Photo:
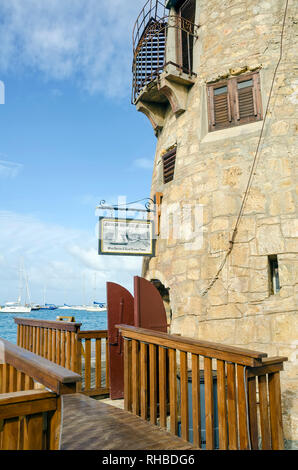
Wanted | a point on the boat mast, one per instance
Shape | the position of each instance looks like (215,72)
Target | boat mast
(27,288)
(44,295)
(84,290)
(21,280)
(94,297)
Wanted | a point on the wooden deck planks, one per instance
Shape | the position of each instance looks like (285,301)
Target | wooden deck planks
(105,427)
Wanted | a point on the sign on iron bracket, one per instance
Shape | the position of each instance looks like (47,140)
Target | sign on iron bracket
(126,236)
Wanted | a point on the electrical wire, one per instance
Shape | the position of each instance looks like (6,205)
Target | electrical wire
(255,161)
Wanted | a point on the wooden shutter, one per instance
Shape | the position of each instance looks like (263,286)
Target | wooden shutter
(234,102)
(248,99)
(220,114)
(169,160)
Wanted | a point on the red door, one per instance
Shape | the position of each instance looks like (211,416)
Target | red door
(120,308)
(149,310)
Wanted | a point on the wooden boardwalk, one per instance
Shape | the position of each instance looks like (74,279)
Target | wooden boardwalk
(88,424)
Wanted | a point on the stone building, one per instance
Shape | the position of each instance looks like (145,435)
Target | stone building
(217,81)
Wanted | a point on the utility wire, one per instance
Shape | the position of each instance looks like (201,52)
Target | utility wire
(255,161)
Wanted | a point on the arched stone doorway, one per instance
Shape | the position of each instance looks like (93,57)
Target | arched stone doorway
(165,294)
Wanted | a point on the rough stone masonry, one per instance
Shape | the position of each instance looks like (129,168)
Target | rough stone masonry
(212,170)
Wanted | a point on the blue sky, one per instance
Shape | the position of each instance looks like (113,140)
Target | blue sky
(69,137)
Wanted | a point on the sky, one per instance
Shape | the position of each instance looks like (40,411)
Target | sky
(69,138)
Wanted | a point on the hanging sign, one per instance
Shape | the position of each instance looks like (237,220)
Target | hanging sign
(125,237)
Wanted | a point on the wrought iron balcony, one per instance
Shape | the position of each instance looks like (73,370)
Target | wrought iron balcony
(160,39)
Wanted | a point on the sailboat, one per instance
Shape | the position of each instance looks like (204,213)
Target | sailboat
(46,306)
(17,307)
(96,306)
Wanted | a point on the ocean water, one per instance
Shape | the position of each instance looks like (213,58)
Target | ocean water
(89,320)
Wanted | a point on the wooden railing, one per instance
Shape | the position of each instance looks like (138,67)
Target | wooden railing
(30,399)
(83,352)
(95,368)
(164,376)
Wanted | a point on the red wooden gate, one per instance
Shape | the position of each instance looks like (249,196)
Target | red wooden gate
(120,305)
(149,310)
(145,310)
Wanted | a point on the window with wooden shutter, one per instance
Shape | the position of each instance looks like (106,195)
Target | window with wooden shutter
(234,101)
(249,102)
(220,106)
(169,160)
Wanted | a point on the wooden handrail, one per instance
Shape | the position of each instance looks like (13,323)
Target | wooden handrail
(56,378)
(57,325)
(93,334)
(206,348)
(269,365)
(27,402)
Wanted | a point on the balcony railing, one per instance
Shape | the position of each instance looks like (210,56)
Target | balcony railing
(150,37)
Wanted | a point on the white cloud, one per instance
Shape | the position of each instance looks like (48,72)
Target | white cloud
(9,170)
(144,163)
(58,258)
(85,40)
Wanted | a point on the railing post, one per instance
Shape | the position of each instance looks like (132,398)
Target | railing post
(196,407)
(222,405)
(127,375)
(79,362)
(208,379)
(242,409)
(184,395)
(275,411)
(135,377)
(144,380)
(54,427)
(153,383)
(162,370)
(253,418)
(173,391)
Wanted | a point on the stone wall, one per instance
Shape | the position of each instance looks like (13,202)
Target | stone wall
(212,170)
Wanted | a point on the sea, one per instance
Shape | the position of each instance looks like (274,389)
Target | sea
(89,320)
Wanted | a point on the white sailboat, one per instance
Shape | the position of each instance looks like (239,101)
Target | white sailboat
(17,307)
(96,306)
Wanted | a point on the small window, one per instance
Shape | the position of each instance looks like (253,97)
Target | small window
(169,160)
(274,284)
(234,102)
